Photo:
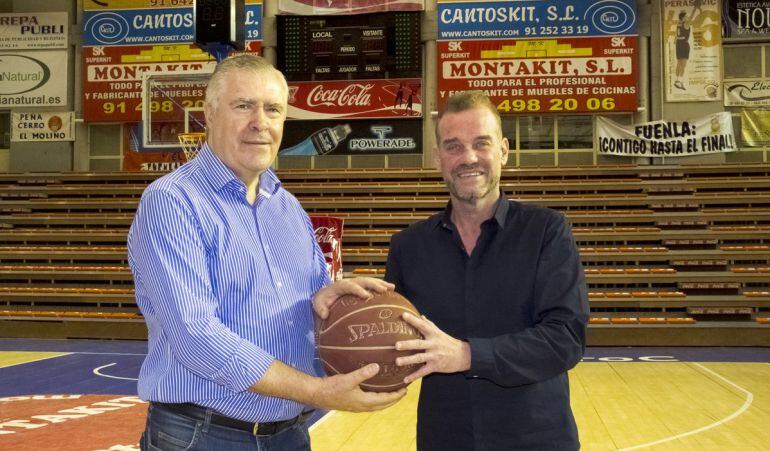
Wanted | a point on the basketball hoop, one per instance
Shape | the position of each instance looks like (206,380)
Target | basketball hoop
(191,143)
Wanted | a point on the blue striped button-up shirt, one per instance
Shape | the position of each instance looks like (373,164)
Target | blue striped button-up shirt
(225,288)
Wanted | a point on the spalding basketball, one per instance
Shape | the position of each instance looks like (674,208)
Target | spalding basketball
(358,332)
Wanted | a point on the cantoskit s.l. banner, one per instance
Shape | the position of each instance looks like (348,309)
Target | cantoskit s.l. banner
(703,135)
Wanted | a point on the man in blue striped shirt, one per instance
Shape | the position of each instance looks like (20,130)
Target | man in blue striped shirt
(227,273)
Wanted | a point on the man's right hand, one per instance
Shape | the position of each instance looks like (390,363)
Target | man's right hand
(342,392)
(339,392)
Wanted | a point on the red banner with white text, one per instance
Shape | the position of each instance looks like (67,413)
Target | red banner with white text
(560,75)
(371,99)
(112,77)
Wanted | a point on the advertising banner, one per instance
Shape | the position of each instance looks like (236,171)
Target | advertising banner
(692,50)
(704,135)
(540,56)
(139,26)
(112,78)
(745,20)
(755,127)
(141,22)
(747,92)
(461,20)
(31,126)
(342,7)
(564,75)
(27,78)
(253,30)
(355,137)
(393,98)
(36,31)
(328,235)
(127,38)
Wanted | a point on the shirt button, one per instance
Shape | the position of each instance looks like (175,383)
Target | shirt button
(279,285)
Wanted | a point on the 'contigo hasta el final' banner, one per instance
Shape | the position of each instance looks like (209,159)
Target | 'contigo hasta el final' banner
(703,135)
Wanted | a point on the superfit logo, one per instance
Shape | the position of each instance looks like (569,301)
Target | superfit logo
(354,94)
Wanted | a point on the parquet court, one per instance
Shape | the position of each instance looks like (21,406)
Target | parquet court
(641,405)
(624,398)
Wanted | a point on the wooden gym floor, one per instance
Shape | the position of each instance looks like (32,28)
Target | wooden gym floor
(623,398)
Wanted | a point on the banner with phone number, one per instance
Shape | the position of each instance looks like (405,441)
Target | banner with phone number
(121,38)
(458,19)
(112,78)
(149,22)
(560,75)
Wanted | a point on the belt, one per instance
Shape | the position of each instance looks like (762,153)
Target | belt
(199,413)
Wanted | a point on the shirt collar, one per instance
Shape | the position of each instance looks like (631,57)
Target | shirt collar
(220,176)
(500,215)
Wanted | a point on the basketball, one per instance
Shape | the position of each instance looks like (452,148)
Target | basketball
(358,332)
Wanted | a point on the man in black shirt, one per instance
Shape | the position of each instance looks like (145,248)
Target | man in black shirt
(503,296)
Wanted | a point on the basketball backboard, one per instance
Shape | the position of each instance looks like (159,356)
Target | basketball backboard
(172,103)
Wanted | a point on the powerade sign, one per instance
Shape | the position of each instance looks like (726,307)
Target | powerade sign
(352,137)
(139,26)
(535,18)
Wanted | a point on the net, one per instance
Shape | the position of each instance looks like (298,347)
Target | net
(191,143)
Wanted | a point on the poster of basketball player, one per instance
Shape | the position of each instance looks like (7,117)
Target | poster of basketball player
(692,50)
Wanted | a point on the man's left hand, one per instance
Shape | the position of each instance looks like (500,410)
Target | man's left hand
(362,287)
(442,353)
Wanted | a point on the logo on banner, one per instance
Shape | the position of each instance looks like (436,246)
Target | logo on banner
(610,16)
(757,92)
(107,28)
(354,94)
(382,142)
(27,74)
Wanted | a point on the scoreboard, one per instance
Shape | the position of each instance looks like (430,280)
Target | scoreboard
(381,45)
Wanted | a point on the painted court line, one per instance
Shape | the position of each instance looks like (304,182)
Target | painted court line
(732,416)
(98,372)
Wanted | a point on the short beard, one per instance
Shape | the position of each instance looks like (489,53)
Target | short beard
(474,197)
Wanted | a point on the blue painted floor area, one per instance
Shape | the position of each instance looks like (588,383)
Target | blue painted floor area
(111,367)
(78,373)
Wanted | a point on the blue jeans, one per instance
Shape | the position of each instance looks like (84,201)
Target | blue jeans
(169,431)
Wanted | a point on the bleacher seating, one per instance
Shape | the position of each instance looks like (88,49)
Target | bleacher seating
(674,255)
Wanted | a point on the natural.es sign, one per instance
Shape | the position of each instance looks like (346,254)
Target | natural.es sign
(26,78)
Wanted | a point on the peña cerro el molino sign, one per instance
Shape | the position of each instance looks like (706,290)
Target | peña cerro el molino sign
(22,74)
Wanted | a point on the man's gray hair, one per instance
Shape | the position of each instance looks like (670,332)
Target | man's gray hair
(242,62)
(468,100)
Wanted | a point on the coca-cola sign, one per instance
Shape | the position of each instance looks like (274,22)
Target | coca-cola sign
(354,94)
(328,235)
(394,98)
